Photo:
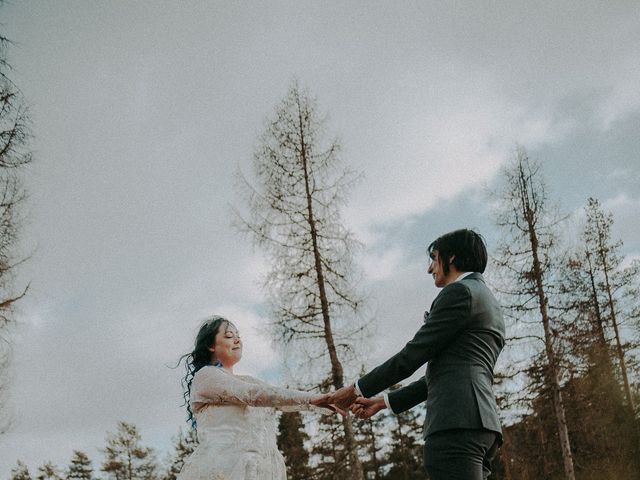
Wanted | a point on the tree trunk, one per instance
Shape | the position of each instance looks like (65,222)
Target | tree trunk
(403,449)
(337,372)
(614,321)
(506,446)
(129,466)
(602,340)
(373,451)
(552,365)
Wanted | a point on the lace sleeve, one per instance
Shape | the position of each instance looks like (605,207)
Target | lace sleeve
(293,407)
(214,387)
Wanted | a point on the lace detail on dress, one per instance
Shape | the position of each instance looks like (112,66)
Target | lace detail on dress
(237,427)
(214,386)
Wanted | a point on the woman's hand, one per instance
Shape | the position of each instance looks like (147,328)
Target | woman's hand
(367,407)
(323,400)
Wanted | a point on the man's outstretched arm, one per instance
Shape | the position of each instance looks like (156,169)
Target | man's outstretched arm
(447,319)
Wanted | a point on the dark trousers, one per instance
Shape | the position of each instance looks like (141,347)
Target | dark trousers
(460,454)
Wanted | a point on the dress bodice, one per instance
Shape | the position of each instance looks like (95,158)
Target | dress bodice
(232,425)
(237,426)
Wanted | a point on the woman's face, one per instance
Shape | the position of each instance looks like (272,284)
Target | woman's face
(227,347)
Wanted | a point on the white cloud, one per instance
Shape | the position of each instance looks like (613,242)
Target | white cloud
(621,201)
(380,266)
(623,97)
(626,227)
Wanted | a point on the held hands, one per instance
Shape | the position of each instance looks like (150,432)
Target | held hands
(324,401)
(347,398)
(344,397)
(338,401)
(367,407)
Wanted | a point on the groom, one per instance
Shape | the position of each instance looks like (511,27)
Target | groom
(460,339)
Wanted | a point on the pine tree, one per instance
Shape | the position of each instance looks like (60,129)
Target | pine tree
(370,433)
(406,452)
(328,455)
(48,471)
(582,300)
(20,472)
(291,441)
(184,445)
(612,279)
(126,458)
(80,468)
(603,436)
(596,292)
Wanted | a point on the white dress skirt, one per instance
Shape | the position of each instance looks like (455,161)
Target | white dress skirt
(237,427)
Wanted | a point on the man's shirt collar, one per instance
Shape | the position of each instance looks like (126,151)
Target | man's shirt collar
(463,275)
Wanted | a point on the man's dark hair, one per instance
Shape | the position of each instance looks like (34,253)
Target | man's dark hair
(466,246)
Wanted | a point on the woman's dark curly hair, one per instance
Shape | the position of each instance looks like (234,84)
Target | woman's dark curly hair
(200,357)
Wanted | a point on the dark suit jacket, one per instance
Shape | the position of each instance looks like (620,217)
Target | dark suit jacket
(460,339)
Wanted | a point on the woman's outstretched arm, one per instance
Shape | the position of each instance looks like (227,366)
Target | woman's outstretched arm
(213,386)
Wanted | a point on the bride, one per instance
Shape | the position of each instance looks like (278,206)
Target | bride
(234,414)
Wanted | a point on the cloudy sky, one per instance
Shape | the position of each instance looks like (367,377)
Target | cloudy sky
(143,110)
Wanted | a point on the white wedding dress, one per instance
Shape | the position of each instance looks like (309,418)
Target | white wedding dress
(236,423)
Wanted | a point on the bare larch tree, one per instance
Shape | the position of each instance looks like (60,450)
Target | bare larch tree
(526,255)
(294,215)
(14,157)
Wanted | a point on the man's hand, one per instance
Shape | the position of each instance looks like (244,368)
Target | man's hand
(324,401)
(344,397)
(367,407)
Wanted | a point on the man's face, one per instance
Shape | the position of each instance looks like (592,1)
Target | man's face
(436,270)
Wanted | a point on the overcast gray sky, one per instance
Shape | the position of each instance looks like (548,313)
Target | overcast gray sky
(143,110)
